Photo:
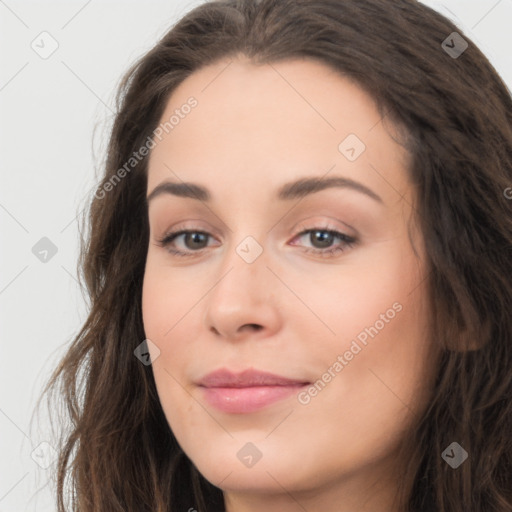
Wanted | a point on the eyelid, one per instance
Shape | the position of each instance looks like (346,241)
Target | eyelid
(331,222)
(191,225)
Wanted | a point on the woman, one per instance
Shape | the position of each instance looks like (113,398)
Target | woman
(340,337)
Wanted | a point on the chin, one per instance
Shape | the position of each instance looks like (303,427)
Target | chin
(224,467)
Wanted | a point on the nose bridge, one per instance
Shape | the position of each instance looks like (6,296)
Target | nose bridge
(242,294)
(244,269)
(247,241)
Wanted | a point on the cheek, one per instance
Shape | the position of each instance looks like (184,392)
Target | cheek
(371,294)
(171,323)
(378,389)
(165,300)
(154,304)
(380,317)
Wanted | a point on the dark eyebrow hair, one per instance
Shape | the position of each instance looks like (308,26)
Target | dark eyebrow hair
(293,190)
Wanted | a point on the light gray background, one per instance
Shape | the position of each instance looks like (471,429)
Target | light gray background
(54,119)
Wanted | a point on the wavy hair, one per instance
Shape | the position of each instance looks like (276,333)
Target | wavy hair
(117,452)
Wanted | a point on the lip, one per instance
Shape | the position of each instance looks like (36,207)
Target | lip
(247,391)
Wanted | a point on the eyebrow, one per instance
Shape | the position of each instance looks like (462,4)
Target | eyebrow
(294,190)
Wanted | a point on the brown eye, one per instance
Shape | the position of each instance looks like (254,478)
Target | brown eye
(193,241)
(322,240)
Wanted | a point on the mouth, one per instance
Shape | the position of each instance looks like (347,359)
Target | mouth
(248,391)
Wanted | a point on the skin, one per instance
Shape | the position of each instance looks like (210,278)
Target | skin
(289,312)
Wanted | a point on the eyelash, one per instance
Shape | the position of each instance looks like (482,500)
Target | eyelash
(330,252)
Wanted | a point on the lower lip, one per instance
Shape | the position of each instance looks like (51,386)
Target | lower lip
(246,400)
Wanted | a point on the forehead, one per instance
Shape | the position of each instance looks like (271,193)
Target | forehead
(267,124)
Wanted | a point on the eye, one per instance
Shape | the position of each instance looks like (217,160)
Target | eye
(321,238)
(196,239)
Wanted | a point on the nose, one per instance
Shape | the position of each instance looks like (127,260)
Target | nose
(244,301)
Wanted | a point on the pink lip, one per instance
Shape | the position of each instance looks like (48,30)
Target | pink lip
(247,391)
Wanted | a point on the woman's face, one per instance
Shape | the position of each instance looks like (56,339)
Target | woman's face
(315,282)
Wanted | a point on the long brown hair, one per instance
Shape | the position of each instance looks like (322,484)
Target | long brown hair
(119,453)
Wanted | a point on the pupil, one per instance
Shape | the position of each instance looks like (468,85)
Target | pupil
(324,238)
(196,237)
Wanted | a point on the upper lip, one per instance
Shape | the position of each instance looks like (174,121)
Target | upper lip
(224,378)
